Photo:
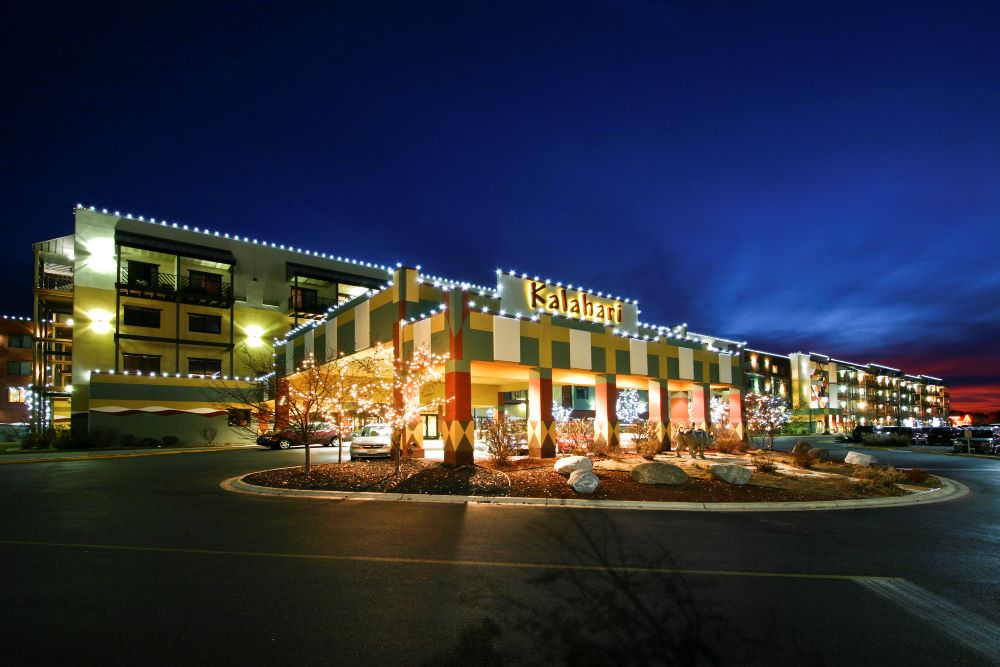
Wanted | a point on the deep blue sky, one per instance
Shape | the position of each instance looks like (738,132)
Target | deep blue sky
(801,176)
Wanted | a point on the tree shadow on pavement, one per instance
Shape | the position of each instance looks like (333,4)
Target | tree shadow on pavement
(601,605)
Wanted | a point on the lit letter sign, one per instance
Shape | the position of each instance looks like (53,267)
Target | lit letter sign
(525,296)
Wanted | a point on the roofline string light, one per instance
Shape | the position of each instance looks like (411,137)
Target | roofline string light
(244,239)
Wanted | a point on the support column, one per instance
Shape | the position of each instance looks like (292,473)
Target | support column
(659,412)
(413,439)
(699,406)
(459,427)
(736,410)
(499,409)
(679,414)
(541,426)
(281,404)
(606,417)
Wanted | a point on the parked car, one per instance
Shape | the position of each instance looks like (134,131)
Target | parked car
(324,434)
(942,435)
(372,441)
(984,440)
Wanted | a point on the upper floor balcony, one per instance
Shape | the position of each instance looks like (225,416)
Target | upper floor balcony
(205,289)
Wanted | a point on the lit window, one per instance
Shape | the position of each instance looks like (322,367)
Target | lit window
(17,394)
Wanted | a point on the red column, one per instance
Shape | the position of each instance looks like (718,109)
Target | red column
(679,410)
(736,410)
(281,404)
(459,428)
(605,417)
(700,406)
(659,411)
(541,426)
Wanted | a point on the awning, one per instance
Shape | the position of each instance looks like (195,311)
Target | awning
(332,275)
(171,247)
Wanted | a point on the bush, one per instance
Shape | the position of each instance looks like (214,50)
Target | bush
(129,441)
(869,439)
(501,439)
(916,476)
(879,476)
(41,440)
(149,443)
(802,458)
(728,440)
(645,438)
(171,441)
(577,436)
(209,433)
(762,462)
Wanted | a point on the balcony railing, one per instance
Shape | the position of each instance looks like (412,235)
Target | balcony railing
(167,286)
(310,305)
(55,281)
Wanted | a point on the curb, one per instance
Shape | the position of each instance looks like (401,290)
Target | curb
(949,490)
(123,455)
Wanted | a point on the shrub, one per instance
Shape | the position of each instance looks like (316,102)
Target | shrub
(150,443)
(869,439)
(645,438)
(802,458)
(577,436)
(209,433)
(41,440)
(129,441)
(728,440)
(501,439)
(762,462)
(879,476)
(916,475)
(170,441)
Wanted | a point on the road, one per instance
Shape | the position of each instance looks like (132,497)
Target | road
(148,560)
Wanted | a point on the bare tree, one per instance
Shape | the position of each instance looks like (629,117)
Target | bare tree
(766,414)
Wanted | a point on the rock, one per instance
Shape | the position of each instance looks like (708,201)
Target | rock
(819,454)
(801,446)
(859,459)
(730,473)
(583,481)
(659,473)
(570,464)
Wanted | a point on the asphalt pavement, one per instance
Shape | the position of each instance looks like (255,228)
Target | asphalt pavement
(147,559)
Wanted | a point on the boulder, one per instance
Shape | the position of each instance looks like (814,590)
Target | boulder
(859,459)
(801,446)
(658,473)
(583,481)
(819,454)
(570,464)
(731,474)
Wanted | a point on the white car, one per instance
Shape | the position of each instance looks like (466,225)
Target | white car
(373,440)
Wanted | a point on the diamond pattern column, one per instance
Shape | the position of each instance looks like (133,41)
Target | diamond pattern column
(541,426)
(606,427)
(659,411)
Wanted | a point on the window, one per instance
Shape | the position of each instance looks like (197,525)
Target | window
(144,363)
(204,366)
(18,368)
(582,393)
(19,340)
(142,274)
(141,317)
(201,281)
(17,394)
(239,417)
(201,323)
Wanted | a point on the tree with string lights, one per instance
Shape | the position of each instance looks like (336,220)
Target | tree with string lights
(765,415)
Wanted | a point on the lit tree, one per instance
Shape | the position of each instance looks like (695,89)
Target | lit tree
(765,415)
(720,410)
(403,391)
(560,413)
(628,406)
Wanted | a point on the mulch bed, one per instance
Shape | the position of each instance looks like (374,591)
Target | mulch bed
(534,478)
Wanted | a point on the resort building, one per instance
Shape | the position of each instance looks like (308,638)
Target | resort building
(132,314)
(16,343)
(136,321)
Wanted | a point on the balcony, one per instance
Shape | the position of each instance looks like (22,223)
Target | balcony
(168,287)
(306,305)
(55,281)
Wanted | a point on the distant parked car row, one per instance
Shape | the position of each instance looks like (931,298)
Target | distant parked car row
(983,439)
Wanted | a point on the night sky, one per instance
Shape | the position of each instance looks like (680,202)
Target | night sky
(803,177)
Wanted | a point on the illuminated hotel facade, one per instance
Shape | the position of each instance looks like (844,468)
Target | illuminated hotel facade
(133,317)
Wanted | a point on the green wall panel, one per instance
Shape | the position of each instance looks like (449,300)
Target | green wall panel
(560,354)
(598,360)
(623,362)
(529,351)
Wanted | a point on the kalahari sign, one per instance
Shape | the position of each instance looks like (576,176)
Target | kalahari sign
(525,295)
